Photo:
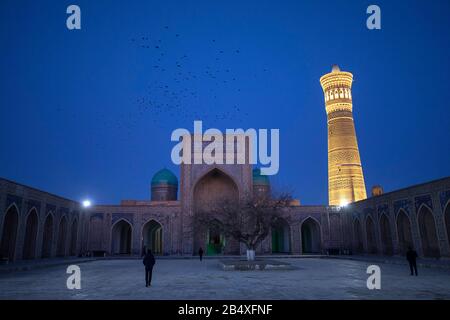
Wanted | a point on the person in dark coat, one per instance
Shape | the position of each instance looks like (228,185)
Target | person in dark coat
(149,262)
(411,256)
(200,253)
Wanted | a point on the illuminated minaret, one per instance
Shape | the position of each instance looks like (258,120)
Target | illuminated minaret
(345,174)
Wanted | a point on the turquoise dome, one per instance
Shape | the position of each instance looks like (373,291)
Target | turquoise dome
(258,178)
(164,177)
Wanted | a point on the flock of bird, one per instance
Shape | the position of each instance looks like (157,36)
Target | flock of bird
(179,89)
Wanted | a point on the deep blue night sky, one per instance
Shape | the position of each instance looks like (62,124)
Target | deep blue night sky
(87,113)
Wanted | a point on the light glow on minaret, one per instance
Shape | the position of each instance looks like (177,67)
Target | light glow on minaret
(345,174)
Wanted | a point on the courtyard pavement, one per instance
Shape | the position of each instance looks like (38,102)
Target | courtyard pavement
(312,278)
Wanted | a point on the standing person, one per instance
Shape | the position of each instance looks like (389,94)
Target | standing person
(149,262)
(411,256)
(200,253)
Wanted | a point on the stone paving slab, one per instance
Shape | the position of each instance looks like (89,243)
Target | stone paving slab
(192,279)
(24,265)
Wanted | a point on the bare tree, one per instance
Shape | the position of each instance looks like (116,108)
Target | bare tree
(248,221)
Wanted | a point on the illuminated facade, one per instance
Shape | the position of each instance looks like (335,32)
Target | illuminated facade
(345,174)
(35,224)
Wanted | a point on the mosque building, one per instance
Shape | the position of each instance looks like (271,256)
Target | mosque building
(35,224)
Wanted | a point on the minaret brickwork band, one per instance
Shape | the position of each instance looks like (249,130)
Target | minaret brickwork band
(345,174)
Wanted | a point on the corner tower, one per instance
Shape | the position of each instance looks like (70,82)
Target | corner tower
(345,174)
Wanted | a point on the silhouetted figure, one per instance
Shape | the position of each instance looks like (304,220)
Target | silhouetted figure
(200,253)
(149,262)
(411,256)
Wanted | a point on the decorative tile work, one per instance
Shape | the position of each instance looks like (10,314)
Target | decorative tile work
(426,199)
(404,204)
(343,185)
(10,199)
(118,216)
(50,207)
(383,208)
(354,213)
(63,211)
(96,215)
(33,203)
(443,197)
(368,211)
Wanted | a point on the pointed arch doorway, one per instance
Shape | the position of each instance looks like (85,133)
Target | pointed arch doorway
(428,235)
(152,237)
(212,188)
(404,232)
(310,232)
(47,237)
(29,248)
(386,235)
(9,233)
(281,237)
(121,238)
(215,241)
